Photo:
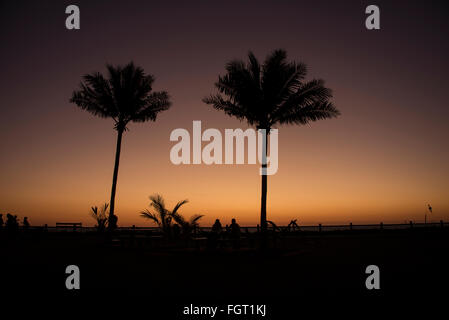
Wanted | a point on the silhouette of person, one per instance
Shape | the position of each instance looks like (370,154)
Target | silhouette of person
(11,223)
(26,224)
(235,228)
(217,228)
(235,233)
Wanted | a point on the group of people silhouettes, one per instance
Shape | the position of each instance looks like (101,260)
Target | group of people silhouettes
(12,222)
(233,229)
(231,232)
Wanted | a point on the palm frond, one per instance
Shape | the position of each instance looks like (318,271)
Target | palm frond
(195,218)
(273,225)
(100,216)
(151,216)
(125,95)
(95,96)
(153,104)
(231,108)
(272,93)
(313,112)
(157,201)
(179,219)
(179,205)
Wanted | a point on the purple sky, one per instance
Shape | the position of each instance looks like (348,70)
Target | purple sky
(391,86)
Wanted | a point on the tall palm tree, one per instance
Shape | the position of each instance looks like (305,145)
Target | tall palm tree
(125,95)
(270,94)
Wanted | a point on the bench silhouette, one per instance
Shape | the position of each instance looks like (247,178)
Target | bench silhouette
(66,225)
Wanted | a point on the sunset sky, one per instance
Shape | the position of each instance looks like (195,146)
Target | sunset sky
(384,159)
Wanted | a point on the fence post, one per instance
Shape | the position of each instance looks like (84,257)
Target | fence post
(319,227)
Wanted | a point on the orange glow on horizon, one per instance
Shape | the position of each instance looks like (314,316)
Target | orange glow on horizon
(322,178)
(384,159)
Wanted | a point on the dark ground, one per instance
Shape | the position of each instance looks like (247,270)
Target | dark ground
(303,269)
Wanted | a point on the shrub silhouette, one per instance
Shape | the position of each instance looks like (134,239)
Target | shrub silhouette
(165,219)
(101,216)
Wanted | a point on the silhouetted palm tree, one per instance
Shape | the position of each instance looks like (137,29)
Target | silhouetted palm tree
(101,216)
(125,95)
(161,216)
(187,226)
(164,218)
(270,94)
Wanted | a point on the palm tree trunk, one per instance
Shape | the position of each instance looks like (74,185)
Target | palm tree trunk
(263,198)
(114,178)
(263,204)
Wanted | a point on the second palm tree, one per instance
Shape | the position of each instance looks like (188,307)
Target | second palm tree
(270,94)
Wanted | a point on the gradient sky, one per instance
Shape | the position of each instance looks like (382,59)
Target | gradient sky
(384,159)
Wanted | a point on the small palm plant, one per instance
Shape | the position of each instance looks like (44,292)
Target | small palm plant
(101,216)
(273,225)
(293,225)
(161,215)
(165,218)
(188,226)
